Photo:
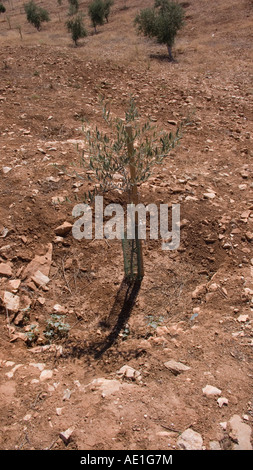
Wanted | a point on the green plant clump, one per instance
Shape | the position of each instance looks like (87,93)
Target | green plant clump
(161,22)
(56,328)
(35,14)
(2,8)
(76,27)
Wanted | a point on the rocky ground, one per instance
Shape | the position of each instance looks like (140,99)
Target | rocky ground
(85,362)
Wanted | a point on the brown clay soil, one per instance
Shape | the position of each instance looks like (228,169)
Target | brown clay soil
(194,304)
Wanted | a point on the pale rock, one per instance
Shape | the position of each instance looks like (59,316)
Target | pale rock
(67,394)
(240,433)
(59,308)
(14,284)
(210,391)
(6,169)
(243,318)
(201,289)
(66,435)
(40,279)
(190,440)
(224,425)
(129,373)
(209,195)
(213,287)
(46,374)
(58,199)
(214,445)
(107,387)
(12,372)
(222,401)
(5,270)
(38,365)
(58,411)
(176,367)
(39,263)
(10,301)
(249,236)
(27,417)
(63,230)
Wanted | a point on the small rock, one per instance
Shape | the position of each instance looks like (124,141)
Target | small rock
(201,289)
(63,229)
(58,199)
(14,285)
(40,279)
(222,401)
(214,445)
(59,308)
(240,433)
(243,318)
(66,435)
(106,386)
(67,394)
(6,169)
(10,301)
(190,440)
(209,390)
(46,375)
(176,367)
(129,373)
(58,411)
(5,270)
(209,195)
(249,236)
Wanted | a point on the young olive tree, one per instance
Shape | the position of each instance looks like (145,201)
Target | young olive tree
(76,27)
(122,158)
(161,22)
(96,13)
(2,8)
(73,7)
(35,14)
(107,8)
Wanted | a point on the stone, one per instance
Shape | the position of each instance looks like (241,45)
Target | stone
(222,401)
(211,391)
(201,289)
(66,435)
(59,308)
(46,374)
(240,433)
(10,301)
(214,445)
(107,387)
(176,367)
(129,373)
(39,263)
(190,440)
(63,230)
(6,169)
(249,236)
(5,270)
(243,318)
(209,195)
(40,279)
(14,284)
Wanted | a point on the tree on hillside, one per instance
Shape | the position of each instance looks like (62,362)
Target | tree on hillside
(2,8)
(107,8)
(97,13)
(161,22)
(73,7)
(76,27)
(35,14)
